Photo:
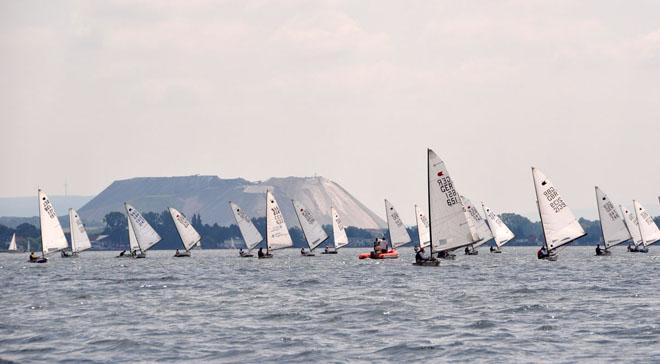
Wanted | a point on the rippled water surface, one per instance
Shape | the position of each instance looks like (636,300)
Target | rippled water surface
(217,307)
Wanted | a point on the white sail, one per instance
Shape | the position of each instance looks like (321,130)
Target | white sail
(52,235)
(422,228)
(612,225)
(449,227)
(559,224)
(189,236)
(631,224)
(398,234)
(501,233)
(79,239)
(12,243)
(251,236)
(648,230)
(132,240)
(481,229)
(338,229)
(277,234)
(313,231)
(146,236)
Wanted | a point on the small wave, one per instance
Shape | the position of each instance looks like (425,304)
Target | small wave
(546,328)
(481,324)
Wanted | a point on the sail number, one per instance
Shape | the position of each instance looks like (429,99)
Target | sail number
(277,214)
(48,207)
(611,210)
(556,202)
(447,187)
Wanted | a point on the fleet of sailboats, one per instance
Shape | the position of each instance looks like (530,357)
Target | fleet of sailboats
(453,222)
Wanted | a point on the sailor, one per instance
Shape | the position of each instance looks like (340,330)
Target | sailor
(240,252)
(33,256)
(122,253)
(260,254)
(467,250)
(542,253)
(302,251)
(176,253)
(492,249)
(598,250)
(419,255)
(443,254)
(326,249)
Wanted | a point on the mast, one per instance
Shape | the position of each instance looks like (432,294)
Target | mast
(73,248)
(428,199)
(267,232)
(41,227)
(600,219)
(538,207)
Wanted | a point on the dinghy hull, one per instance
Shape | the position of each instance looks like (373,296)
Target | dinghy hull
(182,255)
(329,252)
(391,254)
(427,263)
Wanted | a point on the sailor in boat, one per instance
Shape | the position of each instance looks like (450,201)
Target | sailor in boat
(492,249)
(33,257)
(122,253)
(241,252)
(419,255)
(599,251)
(326,249)
(542,253)
(176,253)
(302,251)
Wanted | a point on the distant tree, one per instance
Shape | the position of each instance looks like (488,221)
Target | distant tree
(27,231)
(115,221)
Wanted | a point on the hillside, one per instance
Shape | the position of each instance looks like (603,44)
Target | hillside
(209,196)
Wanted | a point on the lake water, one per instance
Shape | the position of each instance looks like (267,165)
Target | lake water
(217,307)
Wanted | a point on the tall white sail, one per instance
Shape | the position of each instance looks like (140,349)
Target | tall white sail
(313,231)
(146,236)
(648,230)
(79,239)
(132,240)
(612,225)
(251,235)
(52,235)
(559,224)
(422,228)
(501,233)
(189,236)
(481,229)
(398,233)
(338,229)
(277,234)
(12,243)
(631,223)
(449,226)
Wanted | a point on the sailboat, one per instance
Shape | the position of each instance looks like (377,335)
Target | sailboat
(312,230)
(636,244)
(187,233)
(449,227)
(422,228)
(145,235)
(12,245)
(251,236)
(277,233)
(648,230)
(612,226)
(478,226)
(560,227)
(133,246)
(79,239)
(339,236)
(52,235)
(501,233)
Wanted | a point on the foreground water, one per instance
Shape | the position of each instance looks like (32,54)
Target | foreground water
(331,308)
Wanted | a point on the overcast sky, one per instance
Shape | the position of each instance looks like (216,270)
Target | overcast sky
(94,91)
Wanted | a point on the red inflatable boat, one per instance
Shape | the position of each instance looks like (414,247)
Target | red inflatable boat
(391,254)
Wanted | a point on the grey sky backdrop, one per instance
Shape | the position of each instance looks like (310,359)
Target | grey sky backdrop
(353,90)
